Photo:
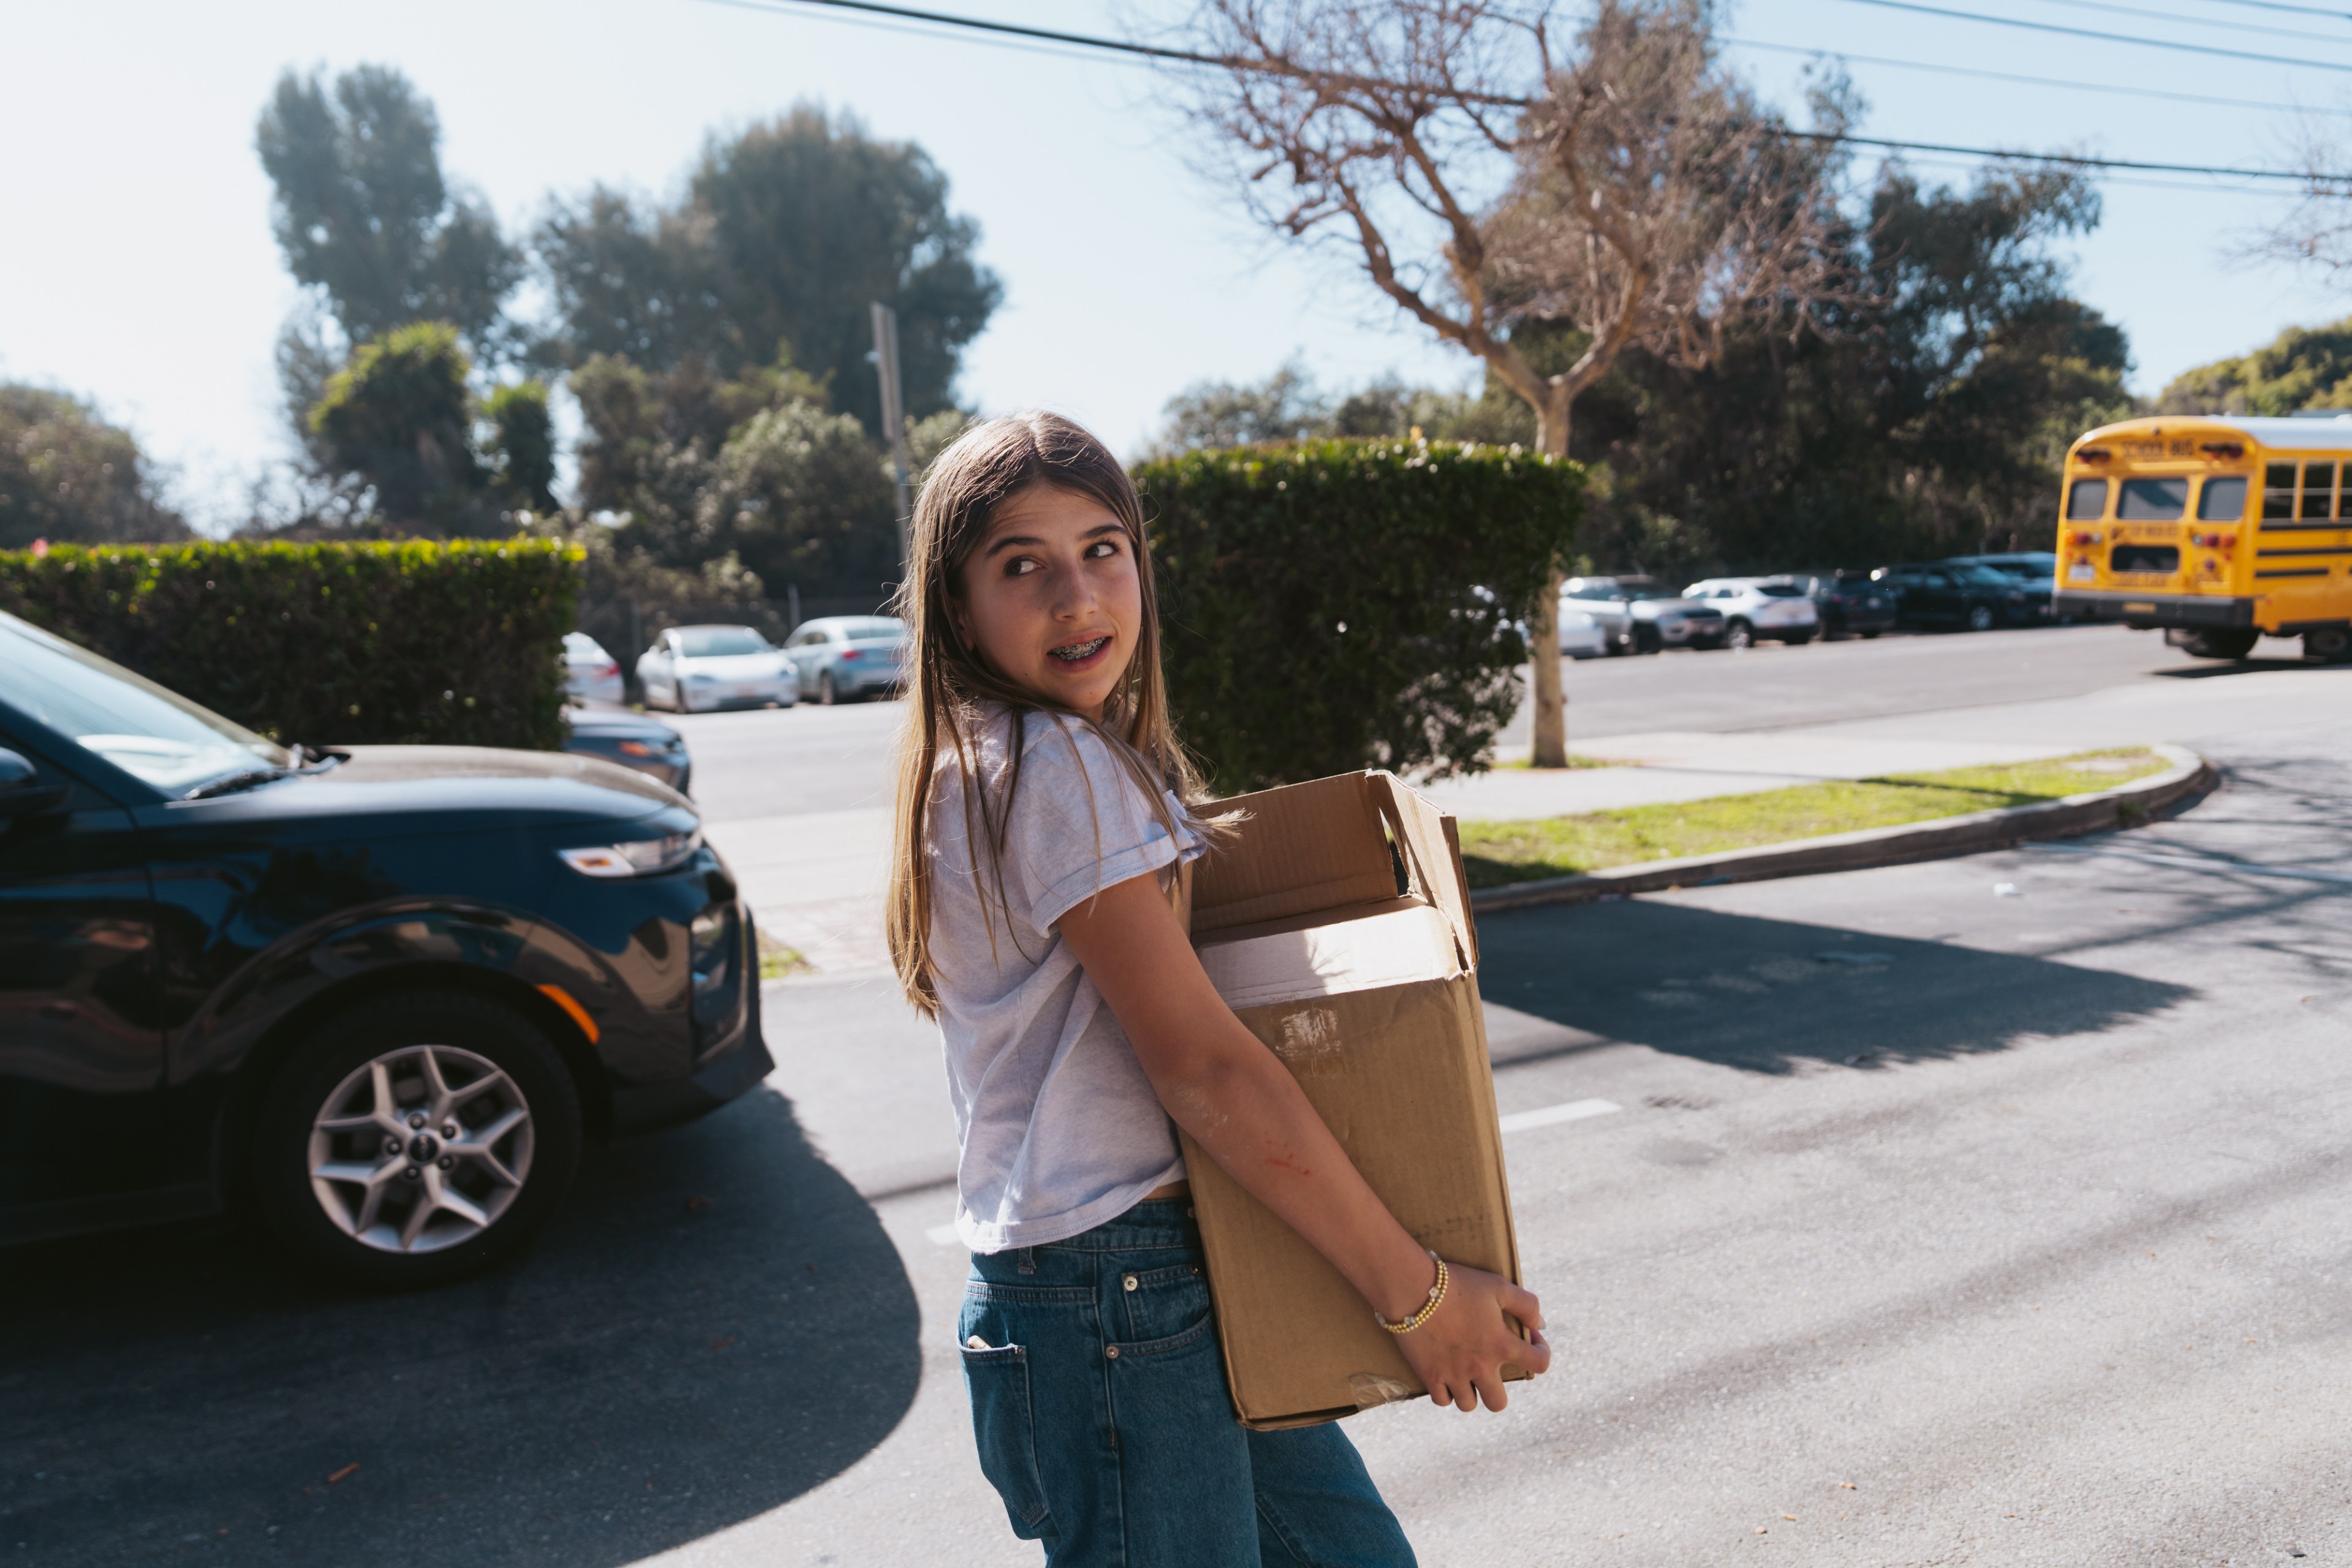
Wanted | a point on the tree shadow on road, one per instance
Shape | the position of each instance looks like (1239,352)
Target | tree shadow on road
(1762,995)
(715,1324)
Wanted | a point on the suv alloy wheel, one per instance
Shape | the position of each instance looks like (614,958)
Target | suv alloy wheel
(1739,634)
(1980,617)
(415,1140)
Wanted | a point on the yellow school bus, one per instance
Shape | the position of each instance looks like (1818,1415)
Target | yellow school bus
(2216,528)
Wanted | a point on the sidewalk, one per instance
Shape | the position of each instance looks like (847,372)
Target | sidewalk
(816,880)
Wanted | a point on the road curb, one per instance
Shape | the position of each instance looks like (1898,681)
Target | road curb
(2127,805)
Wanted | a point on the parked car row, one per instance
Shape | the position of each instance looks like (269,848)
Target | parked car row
(698,669)
(1634,613)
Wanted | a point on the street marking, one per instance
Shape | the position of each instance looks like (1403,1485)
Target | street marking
(1552,1116)
(2198,863)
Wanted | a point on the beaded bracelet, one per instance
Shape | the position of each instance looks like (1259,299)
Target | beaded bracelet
(1436,1294)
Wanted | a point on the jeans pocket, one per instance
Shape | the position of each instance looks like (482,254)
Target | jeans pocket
(1005,1427)
(1160,1304)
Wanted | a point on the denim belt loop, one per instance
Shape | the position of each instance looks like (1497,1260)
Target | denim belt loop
(1028,1264)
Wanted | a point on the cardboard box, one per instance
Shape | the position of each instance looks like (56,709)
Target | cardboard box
(1337,925)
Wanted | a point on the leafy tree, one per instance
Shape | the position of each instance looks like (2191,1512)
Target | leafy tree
(400,417)
(523,445)
(784,237)
(364,214)
(800,494)
(66,474)
(2303,367)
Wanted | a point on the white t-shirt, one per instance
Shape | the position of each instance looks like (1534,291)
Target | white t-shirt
(1058,1127)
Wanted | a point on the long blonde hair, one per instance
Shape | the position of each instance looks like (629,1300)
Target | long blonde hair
(951,689)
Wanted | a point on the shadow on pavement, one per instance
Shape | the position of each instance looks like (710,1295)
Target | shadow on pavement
(715,1324)
(1761,995)
(2206,671)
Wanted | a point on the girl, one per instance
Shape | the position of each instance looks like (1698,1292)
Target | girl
(1044,813)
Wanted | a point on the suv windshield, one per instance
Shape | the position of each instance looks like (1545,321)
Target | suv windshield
(155,735)
(1968,571)
(719,642)
(1780,590)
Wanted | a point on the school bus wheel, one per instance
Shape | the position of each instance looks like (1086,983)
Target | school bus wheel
(2333,643)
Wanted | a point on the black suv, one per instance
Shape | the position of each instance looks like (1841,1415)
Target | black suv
(1956,595)
(380,994)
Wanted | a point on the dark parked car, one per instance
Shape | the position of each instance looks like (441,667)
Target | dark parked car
(2036,571)
(1851,604)
(378,993)
(1971,598)
(632,740)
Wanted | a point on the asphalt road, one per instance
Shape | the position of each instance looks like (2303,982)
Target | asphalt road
(2024,1213)
(780,761)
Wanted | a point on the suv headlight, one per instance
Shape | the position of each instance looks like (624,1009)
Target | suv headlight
(637,857)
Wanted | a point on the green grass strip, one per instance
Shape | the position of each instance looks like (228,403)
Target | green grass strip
(1499,853)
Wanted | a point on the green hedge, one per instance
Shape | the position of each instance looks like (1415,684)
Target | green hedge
(452,644)
(1344,604)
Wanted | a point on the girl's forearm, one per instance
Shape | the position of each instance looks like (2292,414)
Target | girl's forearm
(1250,1116)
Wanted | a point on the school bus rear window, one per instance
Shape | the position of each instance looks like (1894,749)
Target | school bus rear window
(2153,500)
(2086,500)
(2223,500)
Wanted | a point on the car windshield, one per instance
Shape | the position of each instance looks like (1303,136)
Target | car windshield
(155,735)
(720,642)
(1968,571)
(1780,590)
(1645,591)
(872,627)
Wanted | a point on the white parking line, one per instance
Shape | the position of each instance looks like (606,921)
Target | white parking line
(1552,1116)
(1517,1121)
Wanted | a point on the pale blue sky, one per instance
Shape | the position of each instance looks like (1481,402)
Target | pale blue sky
(137,265)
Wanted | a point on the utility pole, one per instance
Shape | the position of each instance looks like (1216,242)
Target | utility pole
(894,421)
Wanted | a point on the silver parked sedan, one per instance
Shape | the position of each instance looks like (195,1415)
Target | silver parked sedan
(693,669)
(844,656)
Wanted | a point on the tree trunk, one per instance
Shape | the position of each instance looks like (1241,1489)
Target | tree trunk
(1550,749)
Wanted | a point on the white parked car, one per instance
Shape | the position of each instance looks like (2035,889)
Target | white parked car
(1760,608)
(1581,636)
(841,657)
(693,669)
(590,674)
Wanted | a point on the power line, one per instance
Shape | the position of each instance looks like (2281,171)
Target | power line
(2142,12)
(2200,49)
(1120,46)
(2279,5)
(2268,107)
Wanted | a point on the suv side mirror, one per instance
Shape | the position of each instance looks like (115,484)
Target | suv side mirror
(22,793)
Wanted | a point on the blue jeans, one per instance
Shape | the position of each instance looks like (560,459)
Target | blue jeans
(1104,1424)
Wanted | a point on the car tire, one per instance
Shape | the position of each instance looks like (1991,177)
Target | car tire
(825,694)
(413,1067)
(2227,644)
(1616,649)
(1797,640)
(1981,618)
(1648,640)
(1739,634)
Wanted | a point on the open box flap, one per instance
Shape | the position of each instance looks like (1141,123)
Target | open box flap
(1305,848)
(1309,848)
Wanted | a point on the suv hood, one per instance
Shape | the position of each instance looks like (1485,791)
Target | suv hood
(396,790)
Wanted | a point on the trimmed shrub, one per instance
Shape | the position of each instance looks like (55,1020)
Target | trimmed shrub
(1345,604)
(454,644)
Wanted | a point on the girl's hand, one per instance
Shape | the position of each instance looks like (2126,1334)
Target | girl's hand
(1459,1352)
